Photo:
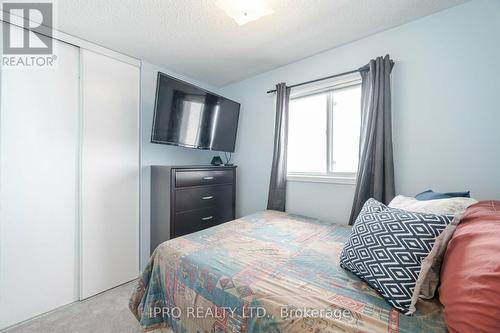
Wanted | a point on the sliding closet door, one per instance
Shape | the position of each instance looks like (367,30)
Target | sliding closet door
(110,173)
(38,193)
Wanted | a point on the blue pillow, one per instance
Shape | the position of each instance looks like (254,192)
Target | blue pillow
(431,195)
(386,249)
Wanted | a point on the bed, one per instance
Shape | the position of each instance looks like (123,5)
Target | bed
(266,272)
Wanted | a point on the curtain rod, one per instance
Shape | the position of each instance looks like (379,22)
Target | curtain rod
(323,78)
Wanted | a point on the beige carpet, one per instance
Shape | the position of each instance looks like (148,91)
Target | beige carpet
(105,313)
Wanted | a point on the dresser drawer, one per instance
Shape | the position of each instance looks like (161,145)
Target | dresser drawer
(199,219)
(220,196)
(204,177)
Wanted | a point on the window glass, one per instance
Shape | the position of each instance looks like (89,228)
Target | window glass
(345,129)
(307,134)
(323,132)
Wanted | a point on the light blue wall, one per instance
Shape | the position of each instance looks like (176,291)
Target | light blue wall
(155,154)
(445,109)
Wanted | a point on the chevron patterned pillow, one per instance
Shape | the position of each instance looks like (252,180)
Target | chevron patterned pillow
(386,249)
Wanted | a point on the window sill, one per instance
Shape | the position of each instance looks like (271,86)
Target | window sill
(321,179)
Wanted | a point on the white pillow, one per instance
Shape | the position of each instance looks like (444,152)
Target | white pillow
(450,206)
(431,265)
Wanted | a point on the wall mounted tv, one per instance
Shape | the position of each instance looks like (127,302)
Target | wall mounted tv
(188,116)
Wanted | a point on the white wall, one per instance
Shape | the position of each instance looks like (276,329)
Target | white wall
(445,110)
(157,154)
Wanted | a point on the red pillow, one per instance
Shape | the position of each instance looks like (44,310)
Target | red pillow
(470,275)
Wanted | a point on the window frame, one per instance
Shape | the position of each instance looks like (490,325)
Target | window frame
(328,87)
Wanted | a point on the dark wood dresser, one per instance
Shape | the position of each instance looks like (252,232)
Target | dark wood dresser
(185,199)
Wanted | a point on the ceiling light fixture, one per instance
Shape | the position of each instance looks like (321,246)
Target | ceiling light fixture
(244,11)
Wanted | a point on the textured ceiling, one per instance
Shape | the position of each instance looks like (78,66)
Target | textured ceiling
(196,38)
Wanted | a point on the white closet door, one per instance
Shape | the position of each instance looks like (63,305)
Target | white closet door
(110,173)
(38,194)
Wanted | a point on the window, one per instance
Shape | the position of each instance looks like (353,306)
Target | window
(323,131)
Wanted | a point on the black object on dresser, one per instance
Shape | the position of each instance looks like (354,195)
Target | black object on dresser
(185,199)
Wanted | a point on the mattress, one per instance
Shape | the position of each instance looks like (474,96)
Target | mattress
(266,272)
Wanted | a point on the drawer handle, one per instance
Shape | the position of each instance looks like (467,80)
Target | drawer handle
(208,178)
(207,218)
(207,198)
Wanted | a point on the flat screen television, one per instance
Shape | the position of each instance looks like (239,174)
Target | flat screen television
(188,116)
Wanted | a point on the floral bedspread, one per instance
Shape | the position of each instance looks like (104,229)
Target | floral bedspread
(267,272)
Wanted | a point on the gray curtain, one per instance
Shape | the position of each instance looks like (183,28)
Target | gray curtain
(277,187)
(375,177)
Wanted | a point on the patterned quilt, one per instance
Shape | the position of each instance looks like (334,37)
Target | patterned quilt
(264,273)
